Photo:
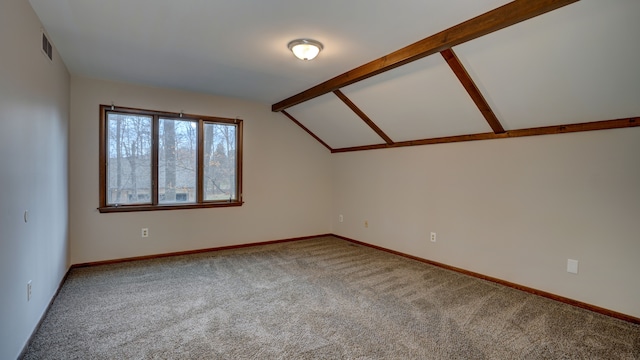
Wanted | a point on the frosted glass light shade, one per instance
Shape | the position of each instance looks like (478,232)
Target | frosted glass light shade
(305,49)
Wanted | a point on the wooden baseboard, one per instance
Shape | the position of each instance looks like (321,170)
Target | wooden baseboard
(191,252)
(545,294)
(44,313)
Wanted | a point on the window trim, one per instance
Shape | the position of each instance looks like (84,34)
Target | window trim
(200,203)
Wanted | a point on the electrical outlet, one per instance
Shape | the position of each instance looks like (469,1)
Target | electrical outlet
(29,290)
(340,218)
(433,237)
(366,223)
(145,232)
(572,266)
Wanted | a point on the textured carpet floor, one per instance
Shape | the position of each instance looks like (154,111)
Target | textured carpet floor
(322,298)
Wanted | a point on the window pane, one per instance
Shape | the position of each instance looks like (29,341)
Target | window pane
(177,154)
(220,161)
(128,159)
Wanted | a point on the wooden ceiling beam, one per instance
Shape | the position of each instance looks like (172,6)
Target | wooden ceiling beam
(363,116)
(499,18)
(307,130)
(546,130)
(473,91)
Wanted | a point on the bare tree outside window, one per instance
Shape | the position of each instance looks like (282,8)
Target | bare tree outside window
(177,156)
(220,161)
(151,160)
(129,163)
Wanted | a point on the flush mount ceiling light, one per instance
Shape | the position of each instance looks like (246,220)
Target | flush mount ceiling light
(305,49)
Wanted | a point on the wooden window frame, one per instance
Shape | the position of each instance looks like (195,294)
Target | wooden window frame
(155,205)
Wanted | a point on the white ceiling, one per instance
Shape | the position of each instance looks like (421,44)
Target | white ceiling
(238,48)
(420,100)
(575,64)
(330,119)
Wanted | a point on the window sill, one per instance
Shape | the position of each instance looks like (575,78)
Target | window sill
(132,208)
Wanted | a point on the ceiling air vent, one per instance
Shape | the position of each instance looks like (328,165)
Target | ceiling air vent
(47,49)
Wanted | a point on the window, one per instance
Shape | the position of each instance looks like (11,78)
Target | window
(151,160)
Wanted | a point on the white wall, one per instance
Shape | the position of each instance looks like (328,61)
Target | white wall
(34,116)
(286,177)
(514,209)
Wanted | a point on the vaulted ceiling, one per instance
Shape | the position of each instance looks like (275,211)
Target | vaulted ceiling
(392,73)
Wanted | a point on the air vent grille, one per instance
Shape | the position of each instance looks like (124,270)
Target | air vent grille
(47,49)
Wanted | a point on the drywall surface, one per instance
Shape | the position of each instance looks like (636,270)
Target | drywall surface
(514,209)
(34,118)
(286,177)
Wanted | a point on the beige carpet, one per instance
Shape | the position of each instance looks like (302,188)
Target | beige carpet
(322,298)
